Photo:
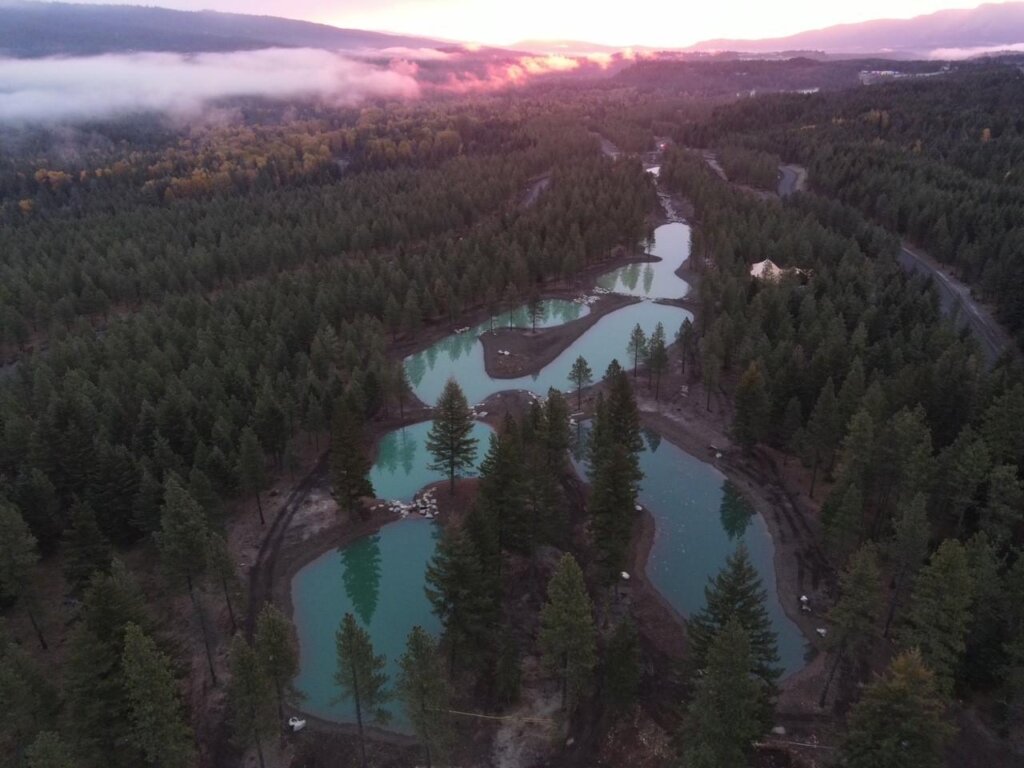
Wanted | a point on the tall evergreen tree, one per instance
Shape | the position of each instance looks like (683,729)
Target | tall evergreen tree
(183,542)
(856,615)
(501,494)
(86,549)
(30,699)
(824,430)
(274,643)
(360,676)
(461,596)
(250,698)
(939,612)
(94,684)
(736,593)
(899,721)
(157,725)
(350,467)
(252,468)
(423,690)
(637,347)
(907,550)
(450,440)
(726,714)
(581,376)
(750,423)
(567,635)
(657,358)
(18,557)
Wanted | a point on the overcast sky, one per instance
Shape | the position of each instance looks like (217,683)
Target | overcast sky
(626,22)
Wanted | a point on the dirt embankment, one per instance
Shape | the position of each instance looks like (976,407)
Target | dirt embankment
(530,351)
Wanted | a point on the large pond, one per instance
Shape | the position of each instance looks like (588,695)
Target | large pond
(401,468)
(700,518)
(379,579)
(461,356)
(606,339)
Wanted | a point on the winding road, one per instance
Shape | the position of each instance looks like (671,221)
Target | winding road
(955,298)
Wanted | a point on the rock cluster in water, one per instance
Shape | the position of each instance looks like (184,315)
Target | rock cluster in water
(425,504)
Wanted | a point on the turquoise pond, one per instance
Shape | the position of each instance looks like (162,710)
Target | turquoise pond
(700,517)
(604,341)
(400,470)
(379,579)
(655,279)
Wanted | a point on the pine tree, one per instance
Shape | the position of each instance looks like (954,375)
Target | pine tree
(726,714)
(536,310)
(86,549)
(842,517)
(183,542)
(686,337)
(250,698)
(274,643)
(30,700)
(791,428)
(612,505)
(567,631)
(18,557)
(251,470)
(752,408)
(622,660)
(360,676)
(97,700)
(939,613)
(736,593)
(350,467)
(460,595)
(1004,512)
(637,346)
(423,690)
(501,494)
(856,615)
(157,727)
(221,567)
(449,441)
(657,357)
(824,428)
(581,376)
(907,550)
(899,721)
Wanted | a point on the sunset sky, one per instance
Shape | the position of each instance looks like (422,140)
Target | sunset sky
(634,22)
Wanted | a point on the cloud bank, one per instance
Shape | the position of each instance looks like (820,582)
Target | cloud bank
(57,89)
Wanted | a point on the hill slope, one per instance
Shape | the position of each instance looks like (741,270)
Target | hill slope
(987,26)
(30,29)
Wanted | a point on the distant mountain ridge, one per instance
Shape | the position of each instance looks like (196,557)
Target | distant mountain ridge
(988,26)
(29,29)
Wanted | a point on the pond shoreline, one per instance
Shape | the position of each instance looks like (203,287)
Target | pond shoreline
(661,626)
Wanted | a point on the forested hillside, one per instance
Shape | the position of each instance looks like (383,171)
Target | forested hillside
(935,160)
(187,311)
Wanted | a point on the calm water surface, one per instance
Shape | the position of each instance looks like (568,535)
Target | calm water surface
(700,519)
(379,579)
